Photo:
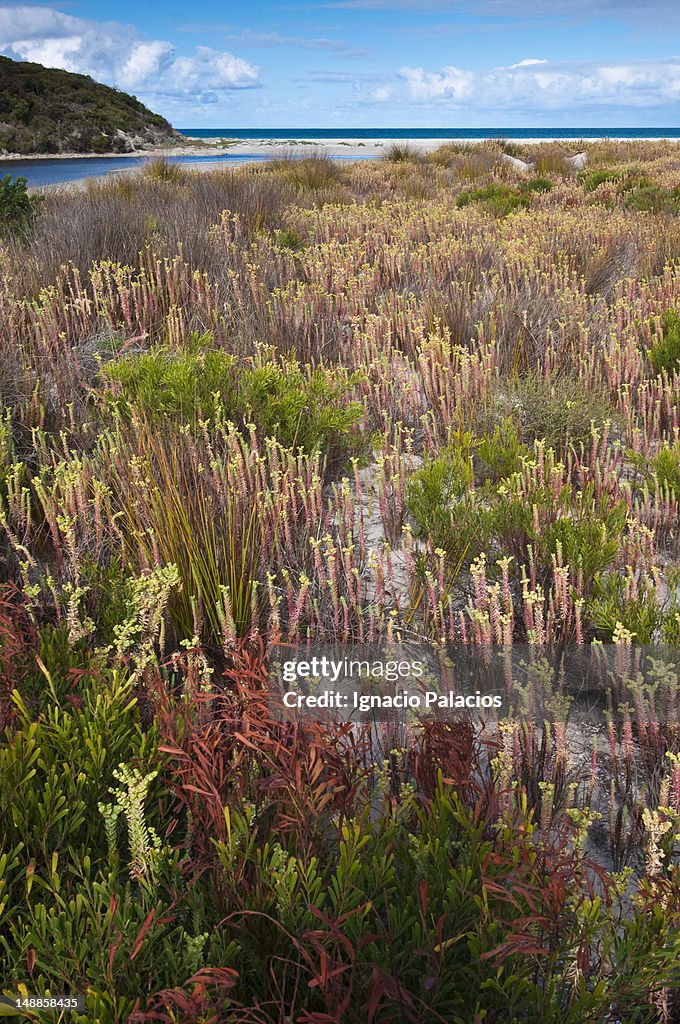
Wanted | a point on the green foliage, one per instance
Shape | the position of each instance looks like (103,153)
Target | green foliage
(658,475)
(183,387)
(665,466)
(442,505)
(7,452)
(539,184)
(17,208)
(47,110)
(650,198)
(442,501)
(289,238)
(593,179)
(499,455)
(302,407)
(588,535)
(497,199)
(664,353)
(474,497)
(611,605)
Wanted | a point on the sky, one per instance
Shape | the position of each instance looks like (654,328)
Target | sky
(369,63)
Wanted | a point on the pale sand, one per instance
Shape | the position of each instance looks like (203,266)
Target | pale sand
(331,147)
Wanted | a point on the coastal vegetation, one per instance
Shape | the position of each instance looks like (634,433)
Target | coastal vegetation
(428,399)
(47,110)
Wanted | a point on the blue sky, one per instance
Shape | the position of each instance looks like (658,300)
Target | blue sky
(370,63)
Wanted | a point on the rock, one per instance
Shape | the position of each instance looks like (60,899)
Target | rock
(578,161)
(521,165)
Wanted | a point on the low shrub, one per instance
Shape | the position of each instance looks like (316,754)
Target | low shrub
(664,353)
(537,185)
(302,407)
(289,238)
(593,179)
(310,173)
(401,152)
(650,198)
(442,505)
(165,386)
(499,200)
(18,208)
(620,601)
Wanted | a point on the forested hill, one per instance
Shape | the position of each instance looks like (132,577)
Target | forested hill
(45,110)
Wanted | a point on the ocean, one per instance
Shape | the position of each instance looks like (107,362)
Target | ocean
(55,171)
(431,133)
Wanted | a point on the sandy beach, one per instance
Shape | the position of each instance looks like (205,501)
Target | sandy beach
(332,147)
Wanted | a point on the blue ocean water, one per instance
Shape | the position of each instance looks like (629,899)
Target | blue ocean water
(54,171)
(432,133)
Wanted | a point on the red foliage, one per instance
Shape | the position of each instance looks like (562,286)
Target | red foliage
(18,644)
(445,746)
(541,883)
(222,741)
(201,1000)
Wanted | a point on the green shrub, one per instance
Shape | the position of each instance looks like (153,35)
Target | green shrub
(17,208)
(500,200)
(498,455)
(441,503)
(665,466)
(593,179)
(587,532)
(610,607)
(181,386)
(662,471)
(303,408)
(650,199)
(664,353)
(289,238)
(537,185)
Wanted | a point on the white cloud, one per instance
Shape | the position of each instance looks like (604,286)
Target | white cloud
(528,62)
(113,53)
(539,85)
(451,83)
(382,94)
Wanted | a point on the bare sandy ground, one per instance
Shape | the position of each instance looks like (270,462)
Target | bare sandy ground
(331,147)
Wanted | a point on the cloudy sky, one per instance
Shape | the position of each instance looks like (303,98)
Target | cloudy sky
(369,63)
